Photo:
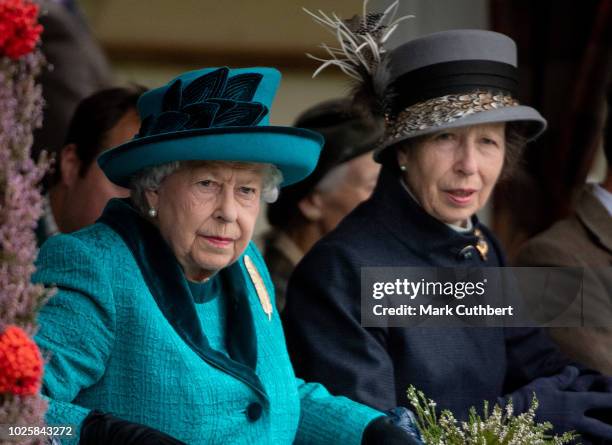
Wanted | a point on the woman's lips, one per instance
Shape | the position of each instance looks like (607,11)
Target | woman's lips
(461,197)
(218,241)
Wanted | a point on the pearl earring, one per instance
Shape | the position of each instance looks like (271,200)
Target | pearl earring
(403,168)
(152,212)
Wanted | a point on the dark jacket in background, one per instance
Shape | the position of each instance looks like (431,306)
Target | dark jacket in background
(456,367)
(77,68)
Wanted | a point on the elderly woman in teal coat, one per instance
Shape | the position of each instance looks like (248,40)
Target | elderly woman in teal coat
(163,329)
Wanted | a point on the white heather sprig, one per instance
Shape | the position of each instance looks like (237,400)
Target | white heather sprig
(498,427)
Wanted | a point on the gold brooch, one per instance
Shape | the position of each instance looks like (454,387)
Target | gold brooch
(260,287)
(482,246)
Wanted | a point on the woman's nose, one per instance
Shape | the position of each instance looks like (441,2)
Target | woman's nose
(227,209)
(467,162)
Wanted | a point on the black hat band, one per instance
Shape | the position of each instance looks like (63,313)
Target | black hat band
(453,78)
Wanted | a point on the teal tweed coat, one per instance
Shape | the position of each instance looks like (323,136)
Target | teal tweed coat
(124,334)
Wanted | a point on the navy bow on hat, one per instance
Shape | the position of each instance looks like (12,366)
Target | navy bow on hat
(210,101)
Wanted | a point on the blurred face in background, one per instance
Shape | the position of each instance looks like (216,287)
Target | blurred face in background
(341,190)
(88,191)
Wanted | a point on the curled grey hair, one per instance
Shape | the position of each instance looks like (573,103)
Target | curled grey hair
(152,177)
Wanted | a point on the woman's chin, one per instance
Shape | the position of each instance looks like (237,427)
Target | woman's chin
(454,211)
(214,261)
(456,217)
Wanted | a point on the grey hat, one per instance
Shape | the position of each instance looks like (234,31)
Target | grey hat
(453,79)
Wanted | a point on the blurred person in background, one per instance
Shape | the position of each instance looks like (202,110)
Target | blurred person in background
(78,189)
(77,67)
(583,240)
(344,177)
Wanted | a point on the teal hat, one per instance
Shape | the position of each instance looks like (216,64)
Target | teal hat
(214,114)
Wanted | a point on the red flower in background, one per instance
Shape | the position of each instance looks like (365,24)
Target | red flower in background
(19,28)
(21,364)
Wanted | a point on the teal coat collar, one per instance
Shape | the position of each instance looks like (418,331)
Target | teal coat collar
(166,282)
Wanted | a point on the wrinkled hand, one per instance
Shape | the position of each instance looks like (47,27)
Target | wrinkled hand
(101,429)
(397,428)
(564,401)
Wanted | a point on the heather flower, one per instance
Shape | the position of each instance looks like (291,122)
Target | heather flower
(498,427)
(20,200)
(20,208)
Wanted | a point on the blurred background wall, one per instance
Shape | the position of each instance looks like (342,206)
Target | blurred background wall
(150,41)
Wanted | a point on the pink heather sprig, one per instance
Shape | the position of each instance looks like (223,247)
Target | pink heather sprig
(20,200)
(20,104)
(23,411)
(20,209)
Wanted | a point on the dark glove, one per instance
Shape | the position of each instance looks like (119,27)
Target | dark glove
(101,429)
(590,380)
(593,381)
(566,409)
(397,428)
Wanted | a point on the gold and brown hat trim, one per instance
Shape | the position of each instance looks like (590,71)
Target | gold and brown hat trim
(441,111)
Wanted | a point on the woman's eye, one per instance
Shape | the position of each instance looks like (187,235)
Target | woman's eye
(247,193)
(489,141)
(247,190)
(445,136)
(207,184)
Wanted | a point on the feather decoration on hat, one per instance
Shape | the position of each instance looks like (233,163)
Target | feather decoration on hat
(361,54)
